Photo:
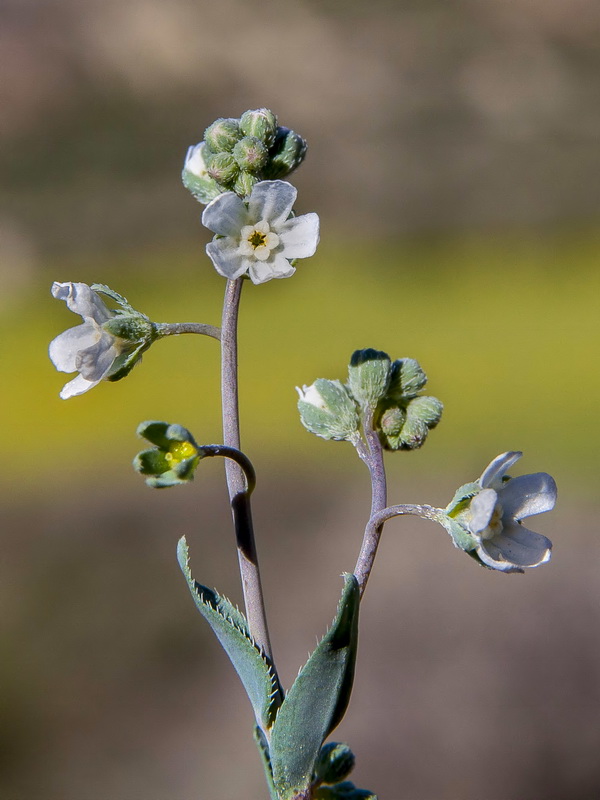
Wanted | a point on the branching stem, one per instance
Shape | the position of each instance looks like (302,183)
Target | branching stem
(175,328)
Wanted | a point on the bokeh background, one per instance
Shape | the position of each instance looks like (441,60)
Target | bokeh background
(454,163)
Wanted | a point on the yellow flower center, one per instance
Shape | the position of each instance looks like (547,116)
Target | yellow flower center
(257,239)
(179,451)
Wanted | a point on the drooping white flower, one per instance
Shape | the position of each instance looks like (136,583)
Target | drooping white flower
(105,346)
(257,237)
(494,516)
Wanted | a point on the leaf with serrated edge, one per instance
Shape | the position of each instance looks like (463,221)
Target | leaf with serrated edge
(231,629)
(317,701)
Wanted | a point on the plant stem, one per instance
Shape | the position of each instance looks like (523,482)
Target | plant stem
(374,461)
(240,502)
(175,328)
(242,460)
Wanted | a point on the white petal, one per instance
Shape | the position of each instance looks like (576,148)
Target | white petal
(64,349)
(518,546)
(78,385)
(194,160)
(300,236)
(227,258)
(225,215)
(481,509)
(492,474)
(82,300)
(95,361)
(271,201)
(527,495)
(276,267)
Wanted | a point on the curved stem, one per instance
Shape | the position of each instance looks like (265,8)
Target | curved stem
(242,460)
(374,461)
(373,534)
(175,328)
(239,498)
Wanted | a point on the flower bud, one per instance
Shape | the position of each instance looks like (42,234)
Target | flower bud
(222,135)
(369,376)
(222,168)
(327,409)
(422,414)
(406,380)
(392,420)
(287,153)
(131,327)
(261,123)
(195,176)
(250,154)
(244,183)
(335,762)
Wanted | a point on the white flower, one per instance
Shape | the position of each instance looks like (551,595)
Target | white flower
(87,348)
(194,161)
(256,237)
(495,513)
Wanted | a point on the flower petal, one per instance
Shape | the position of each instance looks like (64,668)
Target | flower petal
(225,215)
(272,201)
(94,362)
(481,509)
(82,300)
(227,258)
(527,495)
(78,385)
(518,547)
(492,474)
(300,236)
(64,349)
(275,267)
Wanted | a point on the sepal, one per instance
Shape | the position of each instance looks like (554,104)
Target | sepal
(336,761)
(286,154)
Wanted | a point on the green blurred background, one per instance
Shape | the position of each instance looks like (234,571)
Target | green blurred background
(454,164)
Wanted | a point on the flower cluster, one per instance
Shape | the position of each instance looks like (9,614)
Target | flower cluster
(484,517)
(106,346)
(383,392)
(235,154)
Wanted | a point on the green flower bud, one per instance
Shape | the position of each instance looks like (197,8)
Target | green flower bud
(287,153)
(222,135)
(132,327)
(250,154)
(222,168)
(406,379)
(422,414)
(392,420)
(369,376)
(327,409)
(261,123)
(244,183)
(335,762)
(174,459)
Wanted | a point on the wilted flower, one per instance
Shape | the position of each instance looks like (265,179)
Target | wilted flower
(106,346)
(174,458)
(257,237)
(491,511)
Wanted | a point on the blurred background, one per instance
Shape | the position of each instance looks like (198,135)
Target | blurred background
(454,162)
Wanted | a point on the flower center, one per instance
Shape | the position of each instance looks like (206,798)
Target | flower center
(494,525)
(179,451)
(258,240)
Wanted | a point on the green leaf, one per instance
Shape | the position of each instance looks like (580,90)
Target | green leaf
(317,701)
(231,629)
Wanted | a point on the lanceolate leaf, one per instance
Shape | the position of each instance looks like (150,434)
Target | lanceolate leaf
(317,701)
(231,629)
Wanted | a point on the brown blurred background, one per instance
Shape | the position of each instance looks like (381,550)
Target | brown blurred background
(454,163)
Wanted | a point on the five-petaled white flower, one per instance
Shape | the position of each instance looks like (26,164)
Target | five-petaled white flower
(257,237)
(495,513)
(87,348)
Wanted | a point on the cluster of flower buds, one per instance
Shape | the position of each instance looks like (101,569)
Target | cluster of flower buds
(335,763)
(384,391)
(237,153)
(174,458)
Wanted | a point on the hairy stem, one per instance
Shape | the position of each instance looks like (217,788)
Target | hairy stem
(175,328)
(374,461)
(240,501)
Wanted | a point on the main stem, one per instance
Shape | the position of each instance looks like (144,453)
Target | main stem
(240,501)
(374,461)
